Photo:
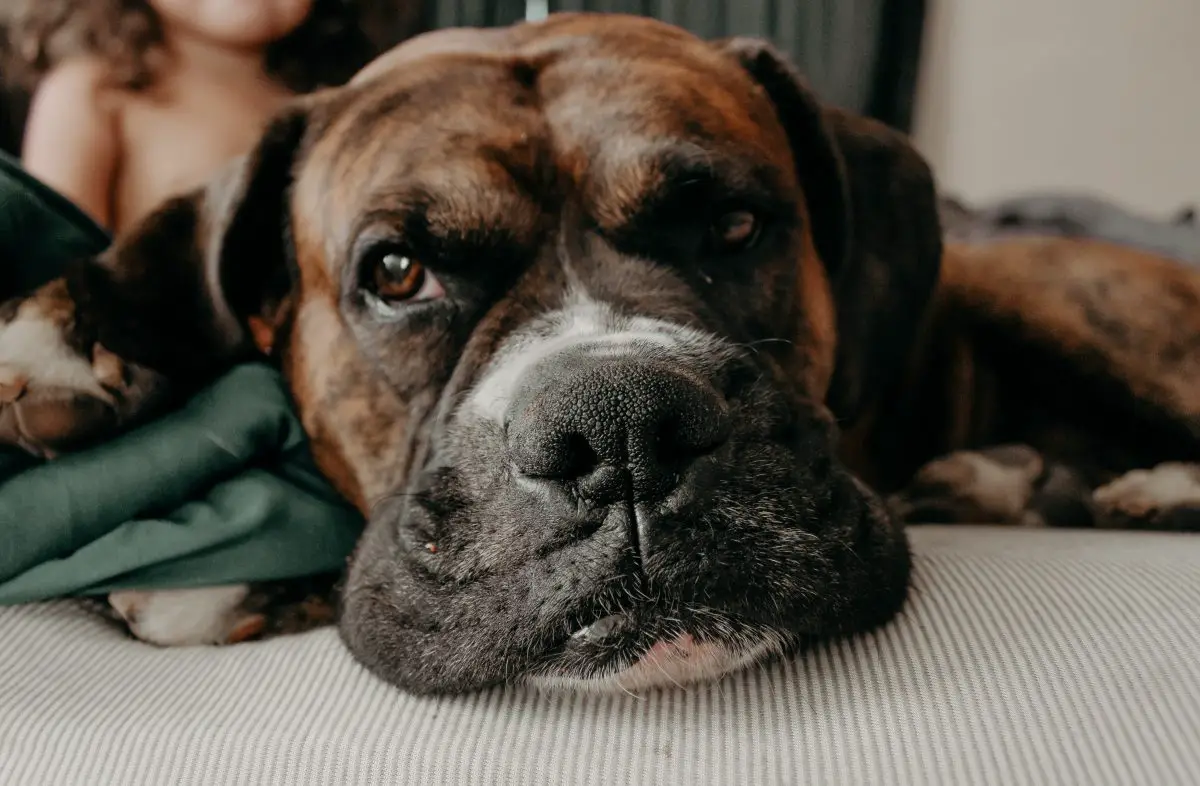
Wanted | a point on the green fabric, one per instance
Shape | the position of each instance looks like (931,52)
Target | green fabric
(222,490)
(40,230)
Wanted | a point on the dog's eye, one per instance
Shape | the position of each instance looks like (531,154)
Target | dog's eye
(396,277)
(734,231)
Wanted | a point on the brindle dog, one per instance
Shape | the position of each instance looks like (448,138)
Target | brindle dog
(620,340)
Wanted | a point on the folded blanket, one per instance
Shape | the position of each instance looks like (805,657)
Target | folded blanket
(40,230)
(223,490)
(1072,214)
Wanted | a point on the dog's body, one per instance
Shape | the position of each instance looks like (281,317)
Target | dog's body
(617,337)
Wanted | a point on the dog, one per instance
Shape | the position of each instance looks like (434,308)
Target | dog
(635,356)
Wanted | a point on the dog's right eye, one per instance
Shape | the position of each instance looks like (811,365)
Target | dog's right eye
(393,277)
(398,276)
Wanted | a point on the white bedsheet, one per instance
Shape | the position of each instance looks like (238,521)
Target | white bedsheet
(1039,657)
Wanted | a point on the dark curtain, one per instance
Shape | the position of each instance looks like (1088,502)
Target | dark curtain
(475,13)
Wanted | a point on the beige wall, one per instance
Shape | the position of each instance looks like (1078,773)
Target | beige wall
(1102,95)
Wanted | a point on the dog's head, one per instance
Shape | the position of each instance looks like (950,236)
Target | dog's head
(573,311)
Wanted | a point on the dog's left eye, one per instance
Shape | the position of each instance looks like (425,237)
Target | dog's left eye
(734,231)
(394,277)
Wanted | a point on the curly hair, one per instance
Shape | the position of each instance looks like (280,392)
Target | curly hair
(336,39)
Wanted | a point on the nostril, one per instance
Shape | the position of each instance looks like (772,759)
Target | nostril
(564,456)
(680,439)
(669,445)
(579,458)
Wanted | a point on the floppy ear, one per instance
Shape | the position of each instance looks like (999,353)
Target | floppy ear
(175,294)
(873,210)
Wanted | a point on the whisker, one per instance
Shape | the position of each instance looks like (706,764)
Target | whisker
(628,692)
(667,674)
(752,346)
(388,497)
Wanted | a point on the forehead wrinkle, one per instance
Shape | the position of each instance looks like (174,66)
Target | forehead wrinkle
(610,118)
(462,171)
(439,96)
(654,92)
(429,117)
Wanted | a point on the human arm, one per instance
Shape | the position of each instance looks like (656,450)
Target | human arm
(71,137)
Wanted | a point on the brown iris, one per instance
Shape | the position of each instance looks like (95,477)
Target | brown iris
(398,277)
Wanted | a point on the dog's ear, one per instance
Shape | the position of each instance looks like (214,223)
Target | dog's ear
(873,211)
(178,293)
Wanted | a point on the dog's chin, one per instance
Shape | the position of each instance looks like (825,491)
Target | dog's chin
(676,663)
(615,654)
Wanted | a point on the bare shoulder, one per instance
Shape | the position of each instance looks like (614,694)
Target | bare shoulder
(77,86)
(72,139)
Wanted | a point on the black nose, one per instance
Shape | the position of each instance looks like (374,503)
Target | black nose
(615,426)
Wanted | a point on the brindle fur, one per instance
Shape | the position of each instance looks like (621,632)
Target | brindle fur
(1083,351)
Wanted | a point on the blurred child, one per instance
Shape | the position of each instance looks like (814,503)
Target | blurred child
(139,100)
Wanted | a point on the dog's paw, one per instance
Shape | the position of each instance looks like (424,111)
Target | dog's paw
(980,487)
(225,615)
(189,617)
(58,389)
(1166,497)
(1007,484)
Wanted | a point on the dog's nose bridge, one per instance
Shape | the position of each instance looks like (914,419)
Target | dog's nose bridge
(571,239)
(580,248)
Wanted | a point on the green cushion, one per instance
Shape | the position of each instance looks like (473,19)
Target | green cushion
(222,490)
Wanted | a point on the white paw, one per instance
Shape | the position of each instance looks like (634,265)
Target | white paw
(58,389)
(1144,492)
(34,346)
(188,617)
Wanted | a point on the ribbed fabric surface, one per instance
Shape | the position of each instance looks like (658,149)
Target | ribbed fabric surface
(1025,657)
